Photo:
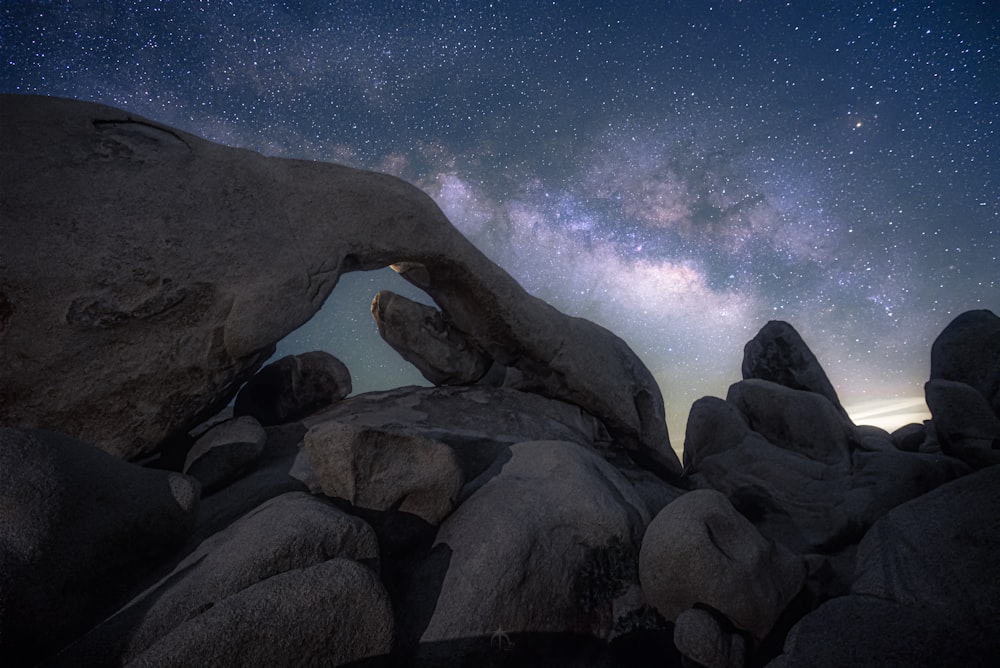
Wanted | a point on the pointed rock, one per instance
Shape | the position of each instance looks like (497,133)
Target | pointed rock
(778,354)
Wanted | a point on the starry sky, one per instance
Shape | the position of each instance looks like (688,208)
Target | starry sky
(680,171)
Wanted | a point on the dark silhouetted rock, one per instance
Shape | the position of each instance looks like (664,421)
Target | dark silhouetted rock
(796,420)
(225,452)
(801,474)
(940,551)
(699,551)
(966,426)
(382,470)
(909,437)
(293,387)
(713,426)
(425,339)
(867,632)
(700,637)
(968,351)
(334,613)
(288,533)
(779,355)
(926,588)
(155,271)
(78,527)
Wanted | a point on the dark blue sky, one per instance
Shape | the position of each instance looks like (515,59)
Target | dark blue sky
(680,172)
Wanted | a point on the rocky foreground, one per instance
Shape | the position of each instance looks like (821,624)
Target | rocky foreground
(526,510)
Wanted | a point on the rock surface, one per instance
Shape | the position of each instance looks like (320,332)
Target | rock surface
(156,270)
(968,351)
(225,452)
(331,614)
(425,339)
(700,637)
(965,424)
(151,272)
(380,470)
(288,533)
(77,528)
(700,551)
(477,422)
(293,387)
(546,543)
(779,355)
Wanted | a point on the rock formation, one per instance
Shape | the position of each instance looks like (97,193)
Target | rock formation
(522,512)
(152,273)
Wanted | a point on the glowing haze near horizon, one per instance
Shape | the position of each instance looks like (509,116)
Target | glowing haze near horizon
(679,172)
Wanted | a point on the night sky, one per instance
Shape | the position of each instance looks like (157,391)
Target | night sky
(679,172)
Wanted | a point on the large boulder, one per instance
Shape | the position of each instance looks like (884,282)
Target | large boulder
(288,533)
(148,273)
(779,355)
(968,351)
(804,479)
(479,423)
(965,424)
(78,528)
(926,589)
(330,614)
(424,337)
(293,387)
(869,632)
(939,551)
(699,551)
(545,543)
(383,470)
(225,452)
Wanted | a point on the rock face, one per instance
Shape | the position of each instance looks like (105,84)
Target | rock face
(225,452)
(268,541)
(331,614)
(963,393)
(380,470)
(154,271)
(479,423)
(510,515)
(420,333)
(778,354)
(926,591)
(968,351)
(700,551)
(77,528)
(546,543)
(293,387)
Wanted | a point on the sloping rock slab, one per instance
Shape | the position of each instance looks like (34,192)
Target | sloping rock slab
(478,422)
(331,614)
(78,528)
(289,532)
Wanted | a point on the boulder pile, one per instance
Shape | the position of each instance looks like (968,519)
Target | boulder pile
(526,509)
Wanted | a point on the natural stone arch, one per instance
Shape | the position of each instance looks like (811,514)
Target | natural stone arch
(147,272)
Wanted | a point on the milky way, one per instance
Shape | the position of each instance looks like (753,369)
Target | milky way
(678,172)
